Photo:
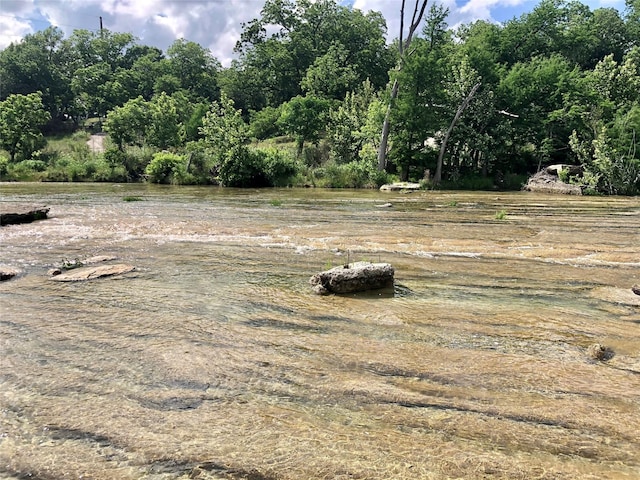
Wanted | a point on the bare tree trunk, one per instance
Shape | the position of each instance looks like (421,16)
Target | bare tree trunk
(465,103)
(418,13)
(386,126)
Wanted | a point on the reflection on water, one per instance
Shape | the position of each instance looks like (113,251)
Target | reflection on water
(214,359)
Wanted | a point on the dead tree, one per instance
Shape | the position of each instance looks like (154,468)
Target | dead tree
(465,103)
(403,47)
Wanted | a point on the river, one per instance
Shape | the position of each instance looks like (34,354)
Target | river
(214,359)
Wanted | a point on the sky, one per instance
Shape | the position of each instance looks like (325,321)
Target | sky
(214,24)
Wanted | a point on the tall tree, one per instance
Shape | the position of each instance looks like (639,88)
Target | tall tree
(283,52)
(403,50)
(38,63)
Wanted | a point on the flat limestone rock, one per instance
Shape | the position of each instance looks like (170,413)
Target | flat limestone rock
(91,273)
(353,277)
(14,214)
(400,186)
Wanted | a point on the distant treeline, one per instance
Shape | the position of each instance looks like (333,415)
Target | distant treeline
(480,106)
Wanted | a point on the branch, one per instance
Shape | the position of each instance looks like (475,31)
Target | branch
(465,103)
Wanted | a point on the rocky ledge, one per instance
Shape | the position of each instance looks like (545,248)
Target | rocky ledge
(89,273)
(14,214)
(548,180)
(353,277)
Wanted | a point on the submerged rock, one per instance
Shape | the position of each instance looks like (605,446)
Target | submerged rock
(353,277)
(90,273)
(600,352)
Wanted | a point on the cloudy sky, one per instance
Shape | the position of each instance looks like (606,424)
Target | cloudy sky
(214,24)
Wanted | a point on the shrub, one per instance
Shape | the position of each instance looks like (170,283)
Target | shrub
(360,174)
(167,168)
(264,124)
(279,167)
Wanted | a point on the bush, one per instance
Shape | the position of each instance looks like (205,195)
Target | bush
(134,160)
(264,124)
(198,164)
(360,174)
(278,166)
(167,168)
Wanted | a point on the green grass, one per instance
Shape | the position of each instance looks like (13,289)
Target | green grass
(501,215)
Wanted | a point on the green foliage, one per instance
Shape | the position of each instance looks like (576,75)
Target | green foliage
(127,124)
(165,129)
(167,168)
(331,75)
(264,124)
(353,125)
(304,118)
(501,215)
(21,117)
(358,174)
(71,264)
(278,166)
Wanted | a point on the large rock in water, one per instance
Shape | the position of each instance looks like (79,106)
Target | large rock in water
(90,273)
(353,277)
(7,273)
(12,214)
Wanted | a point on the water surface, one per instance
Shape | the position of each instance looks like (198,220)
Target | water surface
(215,360)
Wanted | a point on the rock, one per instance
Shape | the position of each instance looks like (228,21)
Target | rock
(98,259)
(11,215)
(543,182)
(571,169)
(384,205)
(400,186)
(353,277)
(636,289)
(52,272)
(90,273)
(600,352)
(7,273)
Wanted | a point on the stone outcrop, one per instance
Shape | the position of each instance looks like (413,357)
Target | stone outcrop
(353,277)
(10,215)
(548,181)
(91,273)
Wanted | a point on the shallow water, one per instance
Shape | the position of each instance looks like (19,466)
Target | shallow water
(213,359)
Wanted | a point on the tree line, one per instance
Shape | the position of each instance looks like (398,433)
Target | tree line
(479,106)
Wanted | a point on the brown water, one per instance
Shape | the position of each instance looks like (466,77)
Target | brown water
(214,359)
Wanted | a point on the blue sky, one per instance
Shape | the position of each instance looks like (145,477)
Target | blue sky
(214,24)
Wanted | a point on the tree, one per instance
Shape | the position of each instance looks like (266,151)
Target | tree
(38,63)
(347,127)
(128,124)
(403,51)
(304,118)
(304,32)
(195,68)
(535,91)
(331,75)
(21,117)
(420,109)
(165,128)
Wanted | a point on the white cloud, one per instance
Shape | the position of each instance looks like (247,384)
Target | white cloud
(12,30)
